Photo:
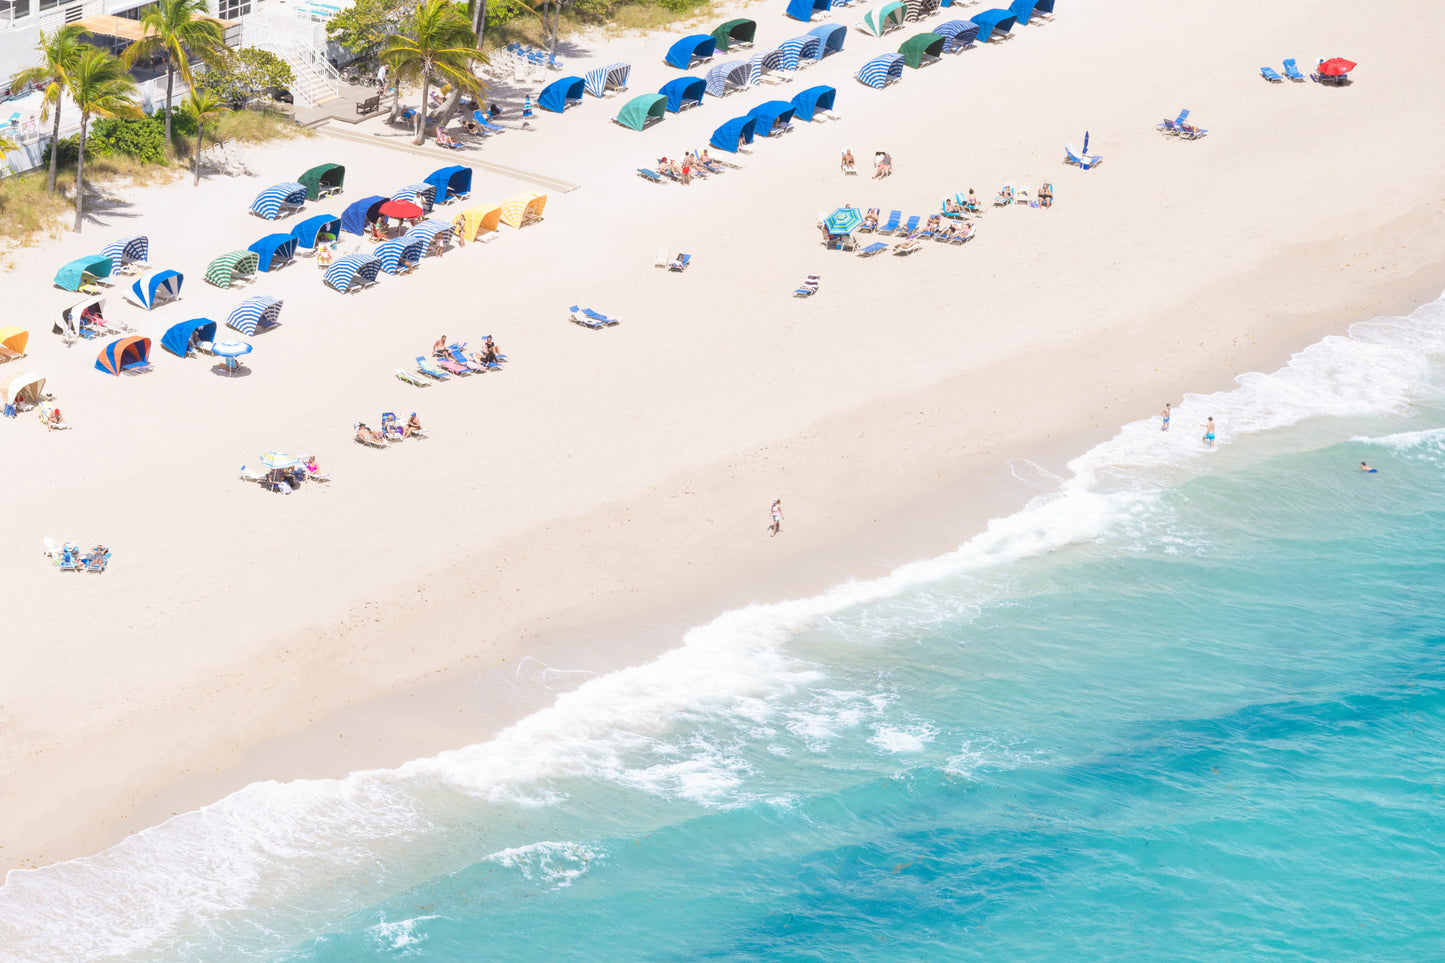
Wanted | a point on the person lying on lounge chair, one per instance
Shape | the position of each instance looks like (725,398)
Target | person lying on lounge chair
(365,435)
(884,165)
(870,220)
(965,230)
(312,466)
(935,223)
(444,139)
(412,427)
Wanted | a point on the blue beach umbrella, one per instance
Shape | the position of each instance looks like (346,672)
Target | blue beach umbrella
(844,220)
(230,349)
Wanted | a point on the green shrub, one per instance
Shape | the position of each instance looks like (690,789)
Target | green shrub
(143,139)
(183,122)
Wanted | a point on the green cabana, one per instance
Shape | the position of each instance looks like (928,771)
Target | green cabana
(321,180)
(639,111)
(735,33)
(886,18)
(921,48)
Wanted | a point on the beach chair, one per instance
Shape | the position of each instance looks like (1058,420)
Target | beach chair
(911,225)
(906,247)
(591,319)
(893,218)
(809,288)
(459,356)
(374,439)
(1292,71)
(430,370)
(252,475)
(1269,74)
(1005,197)
(650,175)
(95,562)
(411,379)
(485,123)
(1084,161)
(1190,132)
(451,367)
(873,249)
(661,259)
(680,263)
(553,63)
(390,427)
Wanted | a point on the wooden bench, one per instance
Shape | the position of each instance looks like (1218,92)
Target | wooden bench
(369,105)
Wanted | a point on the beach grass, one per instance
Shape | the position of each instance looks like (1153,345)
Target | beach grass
(257,127)
(28,211)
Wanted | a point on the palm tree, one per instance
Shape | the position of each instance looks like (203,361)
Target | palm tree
(58,51)
(176,29)
(101,87)
(205,107)
(438,44)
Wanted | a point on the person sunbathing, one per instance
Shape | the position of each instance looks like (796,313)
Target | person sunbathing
(412,427)
(951,207)
(965,231)
(439,350)
(1005,196)
(444,139)
(870,220)
(1046,195)
(494,355)
(970,204)
(884,164)
(935,223)
(366,436)
(312,467)
(849,165)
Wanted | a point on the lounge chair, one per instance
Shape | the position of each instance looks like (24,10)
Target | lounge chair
(893,218)
(429,369)
(451,367)
(651,175)
(592,319)
(906,247)
(912,225)
(70,559)
(1268,73)
(252,475)
(1191,132)
(368,436)
(809,288)
(680,263)
(412,379)
(96,561)
(1084,161)
(480,118)
(873,249)
(1005,197)
(1292,71)
(459,355)
(390,427)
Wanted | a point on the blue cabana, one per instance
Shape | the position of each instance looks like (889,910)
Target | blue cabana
(177,339)
(683,92)
(561,94)
(814,99)
(400,254)
(451,183)
(128,355)
(269,202)
(308,230)
(274,247)
(135,247)
(730,135)
(804,9)
(768,115)
(690,50)
(343,274)
(355,218)
(603,79)
(425,232)
(92,267)
(422,195)
(956,34)
(797,48)
(767,61)
(993,23)
(832,35)
(1024,9)
(255,312)
(155,288)
(732,75)
(882,70)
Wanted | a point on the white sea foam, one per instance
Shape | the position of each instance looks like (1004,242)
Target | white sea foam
(557,865)
(333,845)
(389,937)
(912,738)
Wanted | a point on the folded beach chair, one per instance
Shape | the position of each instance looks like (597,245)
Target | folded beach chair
(591,319)
(1292,71)
(809,288)
(1084,161)
(661,259)
(873,249)
(893,218)
(429,369)
(1269,74)
(651,175)
(411,379)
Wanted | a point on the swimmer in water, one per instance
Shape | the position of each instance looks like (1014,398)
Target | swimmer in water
(1366,468)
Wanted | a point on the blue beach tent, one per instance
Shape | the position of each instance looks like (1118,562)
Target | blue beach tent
(736,131)
(603,79)
(274,247)
(131,354)
(451,182)
(136,247)
(1024,9)
(268,203)
(683,92)
(425,232)
(400,253)
(831,34)
(342,275)
(770,114)
(993,23)
(256,312)
(814,99)
(355,218)
(155,288)
(882,70)
(732,75)
(177,339)
(956,34)
(561,94)
(804,9)
(767,60)
(690,50)
(422,195)
(797,48)
(308,230)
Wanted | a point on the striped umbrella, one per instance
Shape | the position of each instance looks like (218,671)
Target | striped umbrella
(880,70)
(426,231)
(135,247)
(400,250)
(279,459)
(423,195)
(268,202)
(226,268)
(260,311)
(725,76)
(344,272)
(230,349)
(844,220)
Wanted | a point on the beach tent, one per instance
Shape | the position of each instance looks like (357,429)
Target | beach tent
(260,311)
(13,340)
(274,247)
(83,270)
(520,210)
(798,48)
(136,247)
(356,218)
(22,386)
(322,179)
(475,220)
(886,18)
(224,270)
(561,94)
(814,99)
(993,23)
(156,288)
(451,183)
(737,131)
(269,202)
(1024,9)
(636,113)
(343,273)
(421,195)
(732,75)
(735,32)
(956,34)
(881,71)
(131,353)
(683,92)
(831,34)
(690,50)
(425,232)
(70,318)
(612,77)
(310,230)
(400,253)
(177,339)
(770,114)
(916,10)
(921,49)
(804,9)
(767,61)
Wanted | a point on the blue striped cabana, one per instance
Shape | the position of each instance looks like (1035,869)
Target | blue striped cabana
(612,77)
(254,313)
(764,62)
(155,288)
(274,247)
(732,75)
(400,254)
(426,231)
(956,34)
(269,202)
(422,195)
(135,247)
(881,70)
(343,274)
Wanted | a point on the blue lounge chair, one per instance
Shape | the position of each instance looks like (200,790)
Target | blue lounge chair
(1172,126)
(912,225)
(651,175)
(809,288)
(873,249)
(1292,71)
(553,62)
(893,218)
(1269,74)
(680,263)
(1192,132)
(1085,161)
(591,319)
(429,369)
(485,123)
(97,559)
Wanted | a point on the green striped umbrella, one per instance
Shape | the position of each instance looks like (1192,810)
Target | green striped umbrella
(225,268)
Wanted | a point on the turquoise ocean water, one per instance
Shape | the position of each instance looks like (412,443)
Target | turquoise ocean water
(1186,705)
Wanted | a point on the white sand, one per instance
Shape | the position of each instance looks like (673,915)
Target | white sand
(606,477)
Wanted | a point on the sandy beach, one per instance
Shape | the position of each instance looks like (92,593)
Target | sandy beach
(610,488)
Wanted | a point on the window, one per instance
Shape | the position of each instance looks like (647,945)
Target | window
(233,9)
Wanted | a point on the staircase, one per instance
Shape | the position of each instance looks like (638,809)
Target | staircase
(300,41)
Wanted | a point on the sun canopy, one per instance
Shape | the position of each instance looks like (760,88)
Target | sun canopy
(740,32)
(831,34)
(156,288)
(72,275)
(1336,67)
(136,247)
(327,177)
(362,213)
(343,274)
(522,209)
(612,77)
(419,195)
(131,353)
(804,9)
(274,247)
(795,50)
(14,339)
(921,48)
(1024,9)
(732,75)
(23,385)
(260,311)
(475,220)
(993,23)
(400,253)
(888,17)
(177,339)
(956,34)
(690,50)
(307,232)
(881,71)
(918,9)
(637,111)
(683,92)
(269,202)
(450,182)
(426,231)
(561,94)
(224,270)
(809,101)
(737,131)
(770,114)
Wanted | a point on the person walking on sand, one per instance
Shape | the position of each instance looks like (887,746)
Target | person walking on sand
(777,511)
(1209,432)
(1165,415)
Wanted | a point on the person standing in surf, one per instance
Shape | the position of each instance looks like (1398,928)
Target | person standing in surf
(777,512)
(1165,415)
(1209,432)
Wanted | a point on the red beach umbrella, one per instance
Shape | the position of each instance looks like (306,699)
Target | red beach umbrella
(1337,67)
(404,210)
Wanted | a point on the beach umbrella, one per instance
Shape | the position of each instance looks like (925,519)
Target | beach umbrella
(279,459)
(1086,142)
(1336,67)
(230,349)
(402,210)
(844,220)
